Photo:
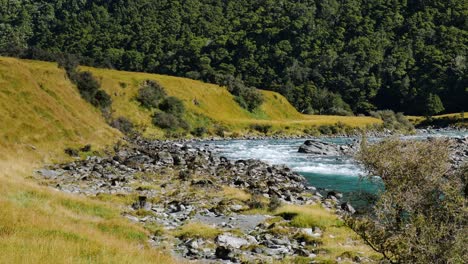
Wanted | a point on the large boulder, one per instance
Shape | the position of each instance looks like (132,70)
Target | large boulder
(319,148)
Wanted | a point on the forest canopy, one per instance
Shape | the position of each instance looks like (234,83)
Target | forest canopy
(327,56)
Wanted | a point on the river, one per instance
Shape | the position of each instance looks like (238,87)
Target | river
(339,173)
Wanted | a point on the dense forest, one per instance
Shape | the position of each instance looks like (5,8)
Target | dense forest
(325,56)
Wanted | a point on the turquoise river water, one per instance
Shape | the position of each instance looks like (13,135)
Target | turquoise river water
(339,173)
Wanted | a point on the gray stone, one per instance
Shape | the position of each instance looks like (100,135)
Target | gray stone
(229,240)
(319,148)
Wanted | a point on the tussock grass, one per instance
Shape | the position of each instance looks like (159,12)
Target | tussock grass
(308,216)
(41,114)
(336,241)
(197,230)
(43,226)
(235,194)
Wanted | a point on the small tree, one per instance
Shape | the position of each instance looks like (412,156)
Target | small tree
(172,105)
(421,216)
(433,105)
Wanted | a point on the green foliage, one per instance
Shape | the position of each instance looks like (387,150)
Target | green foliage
(275,203)
(89,88)
(169,121)
(247,97)
(172,105)
(393,121)
(262,128)
(421,216)
(373,54)
(199,131)
(124,125)
(150,94)
(433,105)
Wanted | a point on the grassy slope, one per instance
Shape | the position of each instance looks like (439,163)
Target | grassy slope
(454,118)
(215,104)
(40,114)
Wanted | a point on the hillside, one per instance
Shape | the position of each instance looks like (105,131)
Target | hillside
(214,105)
(401,55)
(41,113)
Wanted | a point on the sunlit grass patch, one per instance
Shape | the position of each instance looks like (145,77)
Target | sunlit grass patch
(197,230)
(235,194)
(81,207)
(308,216)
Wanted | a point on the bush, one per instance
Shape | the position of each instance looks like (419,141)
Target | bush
(165,121)
(90,89)
(275,203)
(393,121)
(172,105)
(220,130)
(262,128)
(199,131)
(256,202)
(169,121)
(420,216)
(124,125)
(247,97)
(150,94)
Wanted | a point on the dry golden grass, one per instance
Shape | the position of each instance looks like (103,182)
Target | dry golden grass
(197,230)
(418,119)
(41,113)
(235,194)
(214,105)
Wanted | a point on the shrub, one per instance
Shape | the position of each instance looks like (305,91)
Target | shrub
(393,121)
(71,152)
(172,105)
(420,216)
(90,89)
(325,130)
(262,128)
(247,97)
(123,124)
(199,131)
(256,202)
(220,130)
(275,203)
(169,121)
(150,94)
(165,121)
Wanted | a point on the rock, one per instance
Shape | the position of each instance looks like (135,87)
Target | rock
(228,240)
(307,231)
(48,174)
(165,157)
(223,253)
(348,208)
(319,148)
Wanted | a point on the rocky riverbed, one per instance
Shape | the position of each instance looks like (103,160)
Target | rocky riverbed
(203,206)
(171,185)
